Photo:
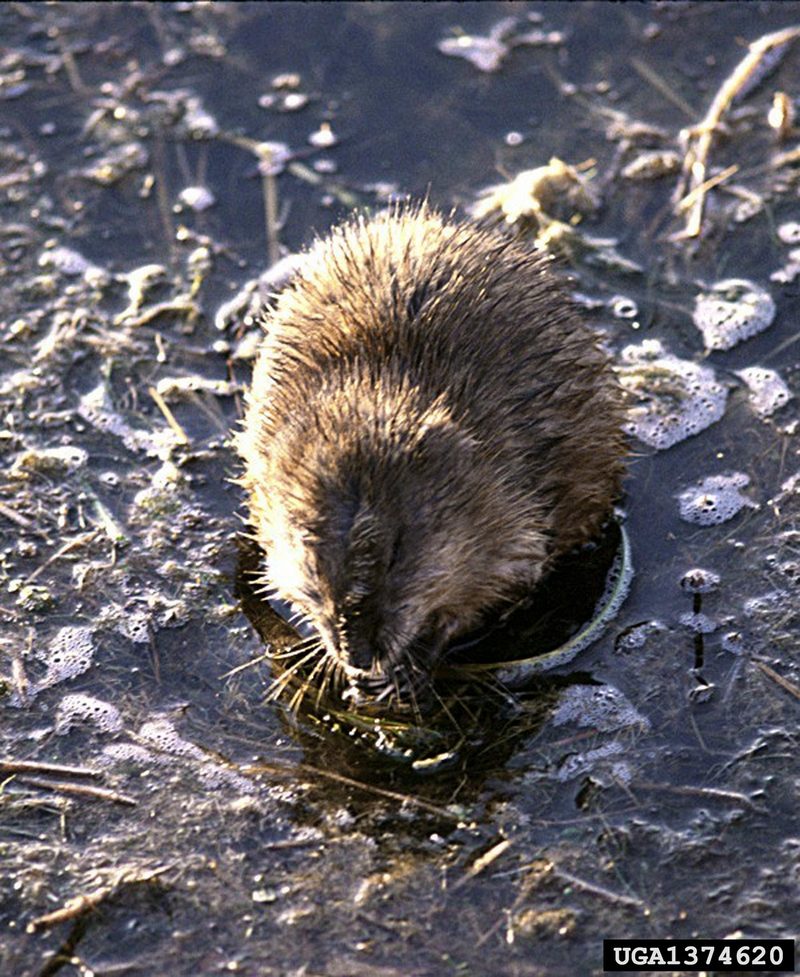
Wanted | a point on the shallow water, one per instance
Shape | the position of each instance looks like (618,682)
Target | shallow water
(650,787)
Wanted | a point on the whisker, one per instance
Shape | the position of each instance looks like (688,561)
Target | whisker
(292,652)
(279,684)
(297,699)
(324,685)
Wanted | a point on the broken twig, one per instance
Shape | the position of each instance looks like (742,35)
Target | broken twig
(695,164)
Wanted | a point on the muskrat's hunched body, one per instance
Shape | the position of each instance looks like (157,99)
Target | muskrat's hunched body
(430,426)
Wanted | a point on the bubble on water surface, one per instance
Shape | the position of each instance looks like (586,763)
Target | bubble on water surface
(789,232)
(714,499)
(197,199)
(699,581)
(768,391)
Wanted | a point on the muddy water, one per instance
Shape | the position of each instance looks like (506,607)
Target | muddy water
(648,788)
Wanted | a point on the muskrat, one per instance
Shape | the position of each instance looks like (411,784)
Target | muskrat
(430,426)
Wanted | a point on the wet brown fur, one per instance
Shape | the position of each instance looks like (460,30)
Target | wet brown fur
(430,425)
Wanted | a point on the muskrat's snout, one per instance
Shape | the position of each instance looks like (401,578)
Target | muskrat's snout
(360,654)
(378,660)
(401,680)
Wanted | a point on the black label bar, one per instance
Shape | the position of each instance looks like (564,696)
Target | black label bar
(722,956)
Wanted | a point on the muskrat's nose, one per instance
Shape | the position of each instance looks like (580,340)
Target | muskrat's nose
(360,654)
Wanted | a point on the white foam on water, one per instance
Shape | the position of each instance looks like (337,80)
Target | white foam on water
(600,706)
(731,311)
(80,709)
(715,499)
(70,653)
(768,391)
(675,398)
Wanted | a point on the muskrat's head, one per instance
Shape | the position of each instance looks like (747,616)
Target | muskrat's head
(391,529)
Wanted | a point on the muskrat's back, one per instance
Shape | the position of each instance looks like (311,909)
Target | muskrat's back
(430,425)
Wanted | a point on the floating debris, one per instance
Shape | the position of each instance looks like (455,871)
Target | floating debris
(325,165)
(160,736)
(555,192)
(136,626)
(248,346)
(96,407)
(176,388)
(538,38)
(163,495)
(675,398)
(31,598)
(651,165)
(484,53)
(50,461)
(245,306)
(292,102)
(272,157)
(734,643)
(241,309)
(198,123)
(72,264)
(116,163)
(118,753)
(768,391)
(139,282)
(715,499)
(762,56)
(749,204)
(78,709)
(731,311)
(781,115)
(487,52)
(286,79)
(580,764)
(636,636)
